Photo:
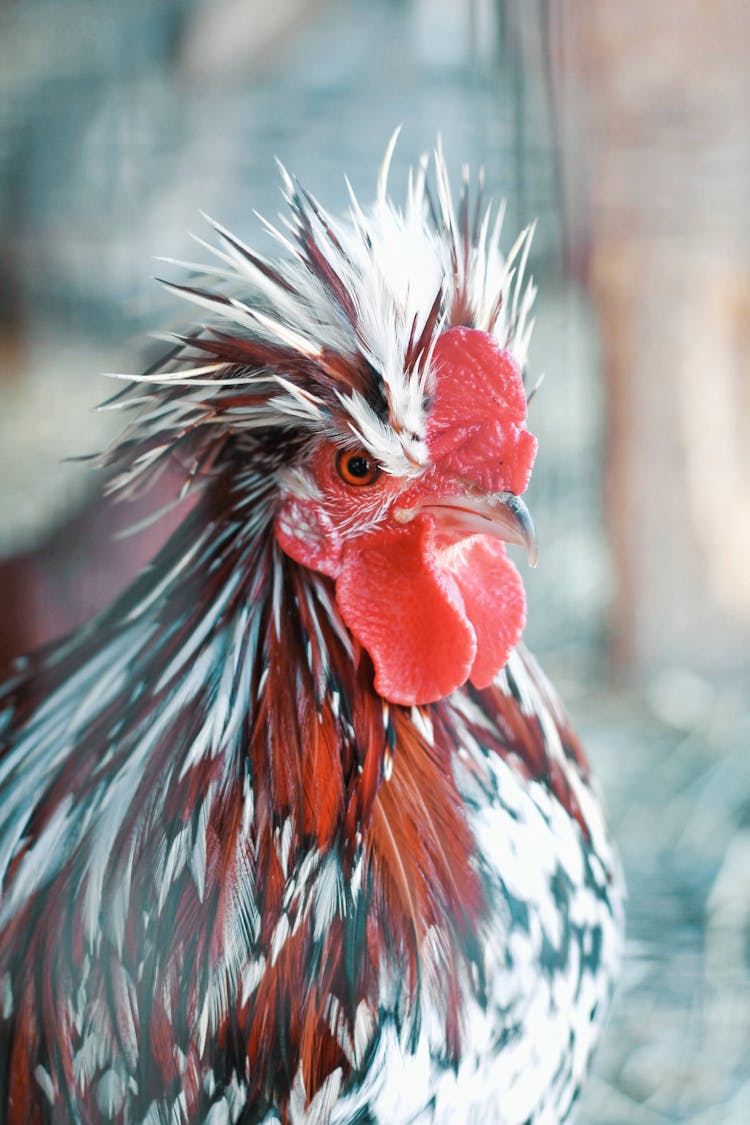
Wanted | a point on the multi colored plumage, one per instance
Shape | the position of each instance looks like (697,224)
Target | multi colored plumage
(296,830)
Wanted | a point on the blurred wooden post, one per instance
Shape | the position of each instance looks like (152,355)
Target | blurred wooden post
(656,106)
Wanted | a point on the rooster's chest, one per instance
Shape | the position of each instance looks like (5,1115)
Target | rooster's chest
(531,1010)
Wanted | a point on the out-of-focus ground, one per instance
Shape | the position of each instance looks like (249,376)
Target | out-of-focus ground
(622,128)
(676,772)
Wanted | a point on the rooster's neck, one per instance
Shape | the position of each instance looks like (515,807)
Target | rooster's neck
(232,830)
(212,747)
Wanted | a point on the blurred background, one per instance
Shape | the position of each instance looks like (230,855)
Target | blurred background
(622,128)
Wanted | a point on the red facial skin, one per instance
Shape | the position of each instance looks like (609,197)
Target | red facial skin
(433,608)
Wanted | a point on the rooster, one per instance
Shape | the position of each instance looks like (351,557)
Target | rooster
(296,830)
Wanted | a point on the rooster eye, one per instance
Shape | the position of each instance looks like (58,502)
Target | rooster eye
(356,467)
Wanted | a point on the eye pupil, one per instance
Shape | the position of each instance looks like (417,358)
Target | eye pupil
(356,467)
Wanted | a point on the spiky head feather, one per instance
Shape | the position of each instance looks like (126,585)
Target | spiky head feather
(337,337)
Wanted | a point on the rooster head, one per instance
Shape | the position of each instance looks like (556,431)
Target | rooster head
(366,389)
(422,577)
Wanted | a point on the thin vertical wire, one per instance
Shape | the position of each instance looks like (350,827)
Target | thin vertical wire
(554,117)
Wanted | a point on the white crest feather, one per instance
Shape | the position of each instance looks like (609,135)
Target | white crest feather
(366,294)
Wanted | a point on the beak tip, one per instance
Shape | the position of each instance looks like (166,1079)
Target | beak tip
(524,527)
(502,515)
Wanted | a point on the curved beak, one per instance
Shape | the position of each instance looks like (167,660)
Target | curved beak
(500,514)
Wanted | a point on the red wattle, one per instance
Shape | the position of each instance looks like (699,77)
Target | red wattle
(407,612)
(495,604)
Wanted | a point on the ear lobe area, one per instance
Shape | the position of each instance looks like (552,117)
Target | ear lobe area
(408,613)
(308,535)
